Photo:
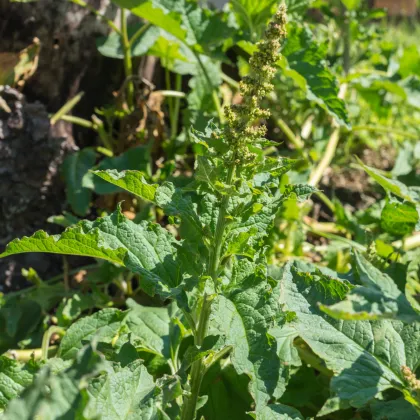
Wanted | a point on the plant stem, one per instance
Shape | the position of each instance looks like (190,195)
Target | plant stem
(198,368)
(176,106)
(215,95)
(128,64)
(46,339)
(296,141)
(330,150)
(139,33)
(346,41)
(28,354)
(66,108)
(78,121)
(386,130)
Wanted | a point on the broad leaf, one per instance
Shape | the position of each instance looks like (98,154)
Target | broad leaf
(399,218)
(394,410)
(365,356)
(103,326)
(145,248)
(279,412)
(305,66)
(75,167)
(56,396)
(243,316)
(351,4)
(123,393)
(111,46)
(14,378)
(378,297)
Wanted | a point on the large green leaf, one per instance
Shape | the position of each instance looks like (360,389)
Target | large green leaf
(14,378)
(365,356)
(187,20)
(103,326)
(394,410)
(244,316)
(145,248)
(399,218)
(279,412)
(75,167)
(378,297)
(56,396)
(111,45)
(305,65)
(123,393)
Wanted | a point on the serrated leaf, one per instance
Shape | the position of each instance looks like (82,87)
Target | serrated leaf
(145,248)
(365,356)
(56,396)
(123,393)
(243,316)
(305,65)
(14,378)
(391,185)
(378,298)
(399,218)
(111,45)
(103,326)
(74,169)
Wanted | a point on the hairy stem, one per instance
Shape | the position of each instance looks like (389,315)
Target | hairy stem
(128,64)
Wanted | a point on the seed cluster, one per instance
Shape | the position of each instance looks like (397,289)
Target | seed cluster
(410,377)
(240,118)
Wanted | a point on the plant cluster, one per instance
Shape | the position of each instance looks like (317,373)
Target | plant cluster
(216,292)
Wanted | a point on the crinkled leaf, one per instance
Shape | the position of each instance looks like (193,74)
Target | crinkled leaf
(365,356)
(123,393)
(244,316)
(111,45)
(74,168)
(56,396)
(399,218)
(14,378)
(305,65)
(379,297)
(103,326)
(145,248)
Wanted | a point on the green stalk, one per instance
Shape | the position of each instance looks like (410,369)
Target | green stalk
(66,108)
(176,106)
(198,367)
(296,141)
(386,130)
(128,64)
(139,33)
(46,340)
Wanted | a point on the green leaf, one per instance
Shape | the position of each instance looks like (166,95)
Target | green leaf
(103,326)
(378,298)
(111,45)
(70,309)
(170,199)
(351,4)
(394,410)
(14,378)
(137,158)
(59,396)
(131,181)
(149,327)
(75,167)
(399,218)
(19,318)
(279,412)
(244,316)
(253,15)
(145,248)
(305,66)
(391,185)
(123,393)
(365,356)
